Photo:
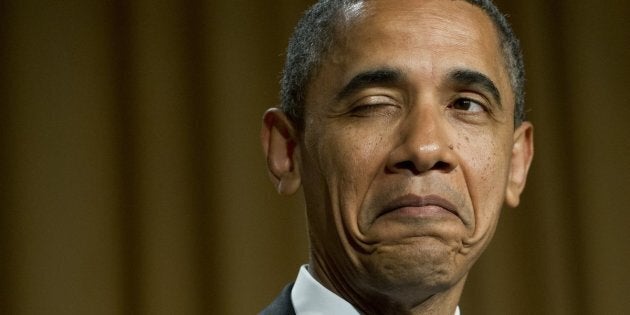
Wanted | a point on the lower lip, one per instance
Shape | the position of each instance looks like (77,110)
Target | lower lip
(423,212)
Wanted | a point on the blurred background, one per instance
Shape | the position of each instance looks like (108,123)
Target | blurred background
(133,180)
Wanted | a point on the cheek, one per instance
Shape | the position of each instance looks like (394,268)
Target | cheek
(348,160)
(352,156)
(484,163)
(339,166)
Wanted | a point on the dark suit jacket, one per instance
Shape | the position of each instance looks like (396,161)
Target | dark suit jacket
(282,305)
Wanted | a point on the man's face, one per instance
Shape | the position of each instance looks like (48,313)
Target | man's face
(405,155)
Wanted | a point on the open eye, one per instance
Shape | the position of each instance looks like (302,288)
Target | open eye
(468,105)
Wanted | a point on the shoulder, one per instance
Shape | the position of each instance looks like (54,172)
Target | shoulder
(281,305)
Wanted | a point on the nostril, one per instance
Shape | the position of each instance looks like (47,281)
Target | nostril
(407,165)
(442,166)
(411,167)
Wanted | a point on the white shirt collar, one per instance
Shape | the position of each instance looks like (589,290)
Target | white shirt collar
(309,297)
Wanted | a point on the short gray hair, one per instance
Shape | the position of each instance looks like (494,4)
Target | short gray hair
(315,33)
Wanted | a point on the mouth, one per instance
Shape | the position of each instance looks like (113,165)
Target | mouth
(419,207)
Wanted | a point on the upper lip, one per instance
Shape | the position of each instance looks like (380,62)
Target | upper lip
(412,200)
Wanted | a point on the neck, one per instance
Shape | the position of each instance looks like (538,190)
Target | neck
(372,300)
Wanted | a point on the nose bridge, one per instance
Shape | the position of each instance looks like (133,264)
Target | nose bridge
(424,142)
(424,129)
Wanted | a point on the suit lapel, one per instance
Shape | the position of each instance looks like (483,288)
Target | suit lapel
(282,305)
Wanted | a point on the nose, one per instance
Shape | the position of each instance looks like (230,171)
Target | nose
(424,145)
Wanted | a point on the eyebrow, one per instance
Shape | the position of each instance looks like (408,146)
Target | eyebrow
(390,76)
(465,78)
(377,77)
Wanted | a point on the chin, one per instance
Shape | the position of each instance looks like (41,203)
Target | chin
(427,264)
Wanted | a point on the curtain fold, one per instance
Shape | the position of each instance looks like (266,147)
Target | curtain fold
(134,183)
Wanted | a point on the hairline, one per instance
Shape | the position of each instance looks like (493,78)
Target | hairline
(293,98)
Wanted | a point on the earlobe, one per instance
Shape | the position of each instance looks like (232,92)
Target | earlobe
(280,145)
(522,154)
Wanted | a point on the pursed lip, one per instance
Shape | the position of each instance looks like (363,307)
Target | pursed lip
(415,201)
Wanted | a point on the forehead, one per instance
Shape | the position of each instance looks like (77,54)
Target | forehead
(414,8)
(458,17)
(419,34)
(419,24)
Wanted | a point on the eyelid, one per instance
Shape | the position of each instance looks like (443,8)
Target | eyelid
(486,100)
(374,100)
(478,98)
(373,104)
(482,107)
(373,97)
(488,108)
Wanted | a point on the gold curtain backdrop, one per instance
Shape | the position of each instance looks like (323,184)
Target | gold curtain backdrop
(133,180)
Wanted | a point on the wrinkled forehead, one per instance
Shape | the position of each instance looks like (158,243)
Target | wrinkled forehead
(362,14)
(388,25)
(416,27)
(434,35)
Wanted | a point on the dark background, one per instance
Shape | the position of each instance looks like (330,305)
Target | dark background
(132,179)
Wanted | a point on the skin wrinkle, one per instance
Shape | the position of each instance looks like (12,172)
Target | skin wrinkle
(428,186)
(376,77)
(488,232)
(511,55)
(342,290)
(470,78)
(336,211)
(349,227)
(353,164)
(466,244)
(343,277)
(361,244)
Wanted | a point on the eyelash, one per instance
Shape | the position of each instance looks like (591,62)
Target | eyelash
(367,109)
(382,104)
(460,104)
(481,105)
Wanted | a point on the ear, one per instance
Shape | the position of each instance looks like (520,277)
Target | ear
(280,145)
(522,154)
